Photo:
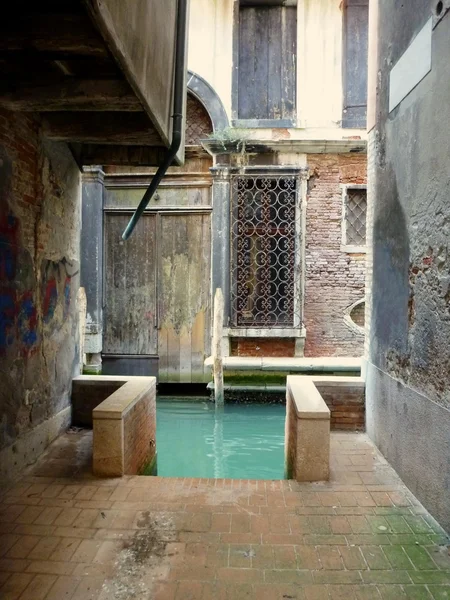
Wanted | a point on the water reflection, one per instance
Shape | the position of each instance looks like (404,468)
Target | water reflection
(219,457)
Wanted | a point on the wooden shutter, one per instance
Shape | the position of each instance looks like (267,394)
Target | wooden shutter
(265,66)
(355,57)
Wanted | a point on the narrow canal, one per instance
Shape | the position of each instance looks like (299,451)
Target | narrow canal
(239,441)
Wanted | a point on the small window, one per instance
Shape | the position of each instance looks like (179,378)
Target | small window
(265,265)
(354,316)
(354,217)
(265,40)
(355,59)
(357,314)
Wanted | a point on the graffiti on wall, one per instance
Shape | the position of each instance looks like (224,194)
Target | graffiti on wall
(27,322)
(18,315)
(7,318)
(30,299)
(50,299)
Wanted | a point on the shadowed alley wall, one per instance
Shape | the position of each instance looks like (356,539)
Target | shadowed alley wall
(39,280)
(408,396)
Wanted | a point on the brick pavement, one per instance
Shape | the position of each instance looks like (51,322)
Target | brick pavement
(360,536)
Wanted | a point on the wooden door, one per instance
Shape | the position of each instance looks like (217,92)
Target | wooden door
(184,296)
(130,309)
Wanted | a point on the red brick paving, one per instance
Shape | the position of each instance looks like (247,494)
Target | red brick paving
(360,536)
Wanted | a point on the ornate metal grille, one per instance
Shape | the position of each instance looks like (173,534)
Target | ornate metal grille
(355,217)
(265,261)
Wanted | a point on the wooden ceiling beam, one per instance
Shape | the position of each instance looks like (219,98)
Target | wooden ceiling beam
(135,156)
(71,95)
(52,33)
(101,128)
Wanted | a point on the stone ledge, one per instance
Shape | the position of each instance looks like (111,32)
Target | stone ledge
(274,332)
(308,402)
(88,391)
(122,400)
(307,438)
(98,379)
(124,437)
(324,381)
(242,363)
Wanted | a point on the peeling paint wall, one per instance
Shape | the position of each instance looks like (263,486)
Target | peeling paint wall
(408,393)
(39,280)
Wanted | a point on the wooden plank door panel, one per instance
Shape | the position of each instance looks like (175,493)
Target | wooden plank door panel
(130,287)
(184,288)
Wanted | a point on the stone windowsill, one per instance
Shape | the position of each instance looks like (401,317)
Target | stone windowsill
(354,249)
(273,332)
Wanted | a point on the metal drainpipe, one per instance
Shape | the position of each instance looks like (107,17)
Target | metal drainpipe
(177,131)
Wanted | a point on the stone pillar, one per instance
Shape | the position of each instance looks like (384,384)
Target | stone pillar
(92,263)
(221,243)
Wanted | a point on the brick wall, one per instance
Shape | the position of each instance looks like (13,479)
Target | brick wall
(347,406)
(139,433)
(262,347)
(39,275)
(334,278)
(86,395)
(198,122)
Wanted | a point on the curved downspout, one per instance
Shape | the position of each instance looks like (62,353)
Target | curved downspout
(177,131)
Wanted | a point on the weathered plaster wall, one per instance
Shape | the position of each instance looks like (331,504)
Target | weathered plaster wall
(39,280)
(319,63)
(319,81)
(408,392)
(334,278)
(210,45)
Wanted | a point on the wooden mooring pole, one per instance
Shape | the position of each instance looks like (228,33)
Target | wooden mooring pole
(217,347)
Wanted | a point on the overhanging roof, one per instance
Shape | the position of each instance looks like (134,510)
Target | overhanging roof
(100,73)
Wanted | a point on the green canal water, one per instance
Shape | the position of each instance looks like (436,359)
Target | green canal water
(241,441)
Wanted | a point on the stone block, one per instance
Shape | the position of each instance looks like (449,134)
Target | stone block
(124,440)
(307,439)
(108,448)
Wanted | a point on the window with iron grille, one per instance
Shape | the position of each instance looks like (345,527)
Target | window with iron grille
(354,222)
(265,261)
